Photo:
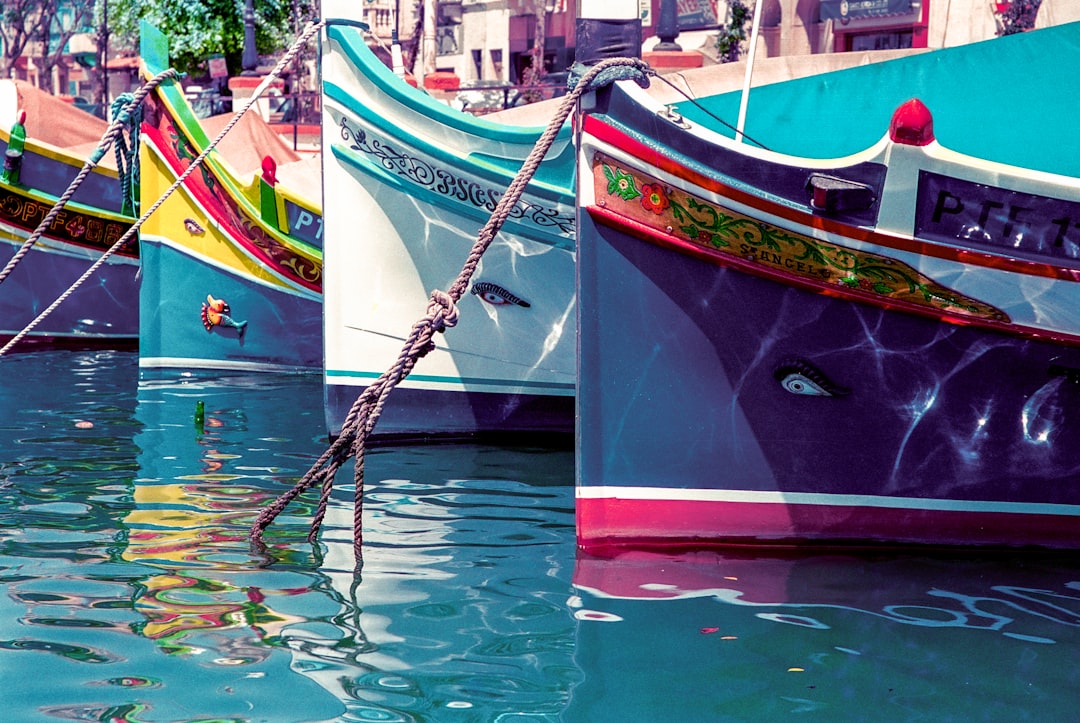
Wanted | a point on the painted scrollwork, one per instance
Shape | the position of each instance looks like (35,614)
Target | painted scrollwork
(728,233)
(446,183)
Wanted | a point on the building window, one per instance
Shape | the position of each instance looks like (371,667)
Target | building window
(879,40)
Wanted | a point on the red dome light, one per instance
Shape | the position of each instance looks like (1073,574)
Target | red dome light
(912,124)
(269,169)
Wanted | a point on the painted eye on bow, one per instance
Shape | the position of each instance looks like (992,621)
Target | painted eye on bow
(798,384)
(497,295)
(799,376)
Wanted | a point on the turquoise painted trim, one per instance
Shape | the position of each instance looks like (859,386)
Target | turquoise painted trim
(833,115)
(535,233)
(153,48)
(560,167)
(356,50)
(480,381)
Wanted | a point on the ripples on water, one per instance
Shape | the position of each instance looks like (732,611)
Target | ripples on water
(130,592)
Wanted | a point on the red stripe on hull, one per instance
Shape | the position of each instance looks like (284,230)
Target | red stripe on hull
(644,524)
(230,218)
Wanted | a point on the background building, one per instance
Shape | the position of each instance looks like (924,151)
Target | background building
(492,40)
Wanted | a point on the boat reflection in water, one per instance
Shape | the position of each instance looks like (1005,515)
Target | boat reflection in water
(443,611)
(747,636)
(210,453)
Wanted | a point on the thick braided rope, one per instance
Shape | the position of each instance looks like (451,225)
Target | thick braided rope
(127,161)
(441,313)
(195,164)
(120,121)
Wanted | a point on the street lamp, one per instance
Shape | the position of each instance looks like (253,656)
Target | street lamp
(103,46)
(249,62)
(667,28)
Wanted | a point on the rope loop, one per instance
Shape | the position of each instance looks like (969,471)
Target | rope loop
(128,114)
(638,72)
(442,310)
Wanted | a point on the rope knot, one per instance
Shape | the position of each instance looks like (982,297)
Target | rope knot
(609,71)
(442,311)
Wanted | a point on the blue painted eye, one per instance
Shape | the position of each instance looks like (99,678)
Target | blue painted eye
(798,384)
(799,376)
(497,295)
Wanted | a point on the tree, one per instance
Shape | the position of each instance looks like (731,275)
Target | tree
(18,25)
(58,23)
(198,29)
(1017,16)
(45,25)
(729,39)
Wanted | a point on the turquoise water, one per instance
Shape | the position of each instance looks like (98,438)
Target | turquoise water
(130,592)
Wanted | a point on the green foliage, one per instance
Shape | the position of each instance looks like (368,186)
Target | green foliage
(1018,16)
(199,28)
(729,41)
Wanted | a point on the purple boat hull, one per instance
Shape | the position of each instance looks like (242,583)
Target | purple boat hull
(935,433)
(878,347)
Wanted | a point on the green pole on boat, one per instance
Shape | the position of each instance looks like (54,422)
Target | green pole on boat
(14,153)
(268,208)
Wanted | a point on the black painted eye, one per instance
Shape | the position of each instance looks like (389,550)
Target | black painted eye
(799,376)
(492,298)
(497,295)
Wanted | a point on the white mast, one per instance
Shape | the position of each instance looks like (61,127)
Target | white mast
(752,51)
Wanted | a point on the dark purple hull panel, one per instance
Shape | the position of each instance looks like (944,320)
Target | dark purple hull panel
(429,413)
(681,372)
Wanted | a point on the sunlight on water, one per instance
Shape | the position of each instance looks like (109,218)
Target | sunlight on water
(130,591)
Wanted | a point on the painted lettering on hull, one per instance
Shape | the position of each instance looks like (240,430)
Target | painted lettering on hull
(953,210)
(68,225)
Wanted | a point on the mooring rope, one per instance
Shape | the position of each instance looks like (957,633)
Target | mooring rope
(121,119)
(127,153)
(442,312)
(301,40)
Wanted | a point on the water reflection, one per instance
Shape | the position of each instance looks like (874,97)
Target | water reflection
(211,452)
(827,633)
(420,627)
(128,589)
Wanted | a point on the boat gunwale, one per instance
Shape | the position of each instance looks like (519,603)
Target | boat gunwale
(490,171)
(418,102)
(478,215)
